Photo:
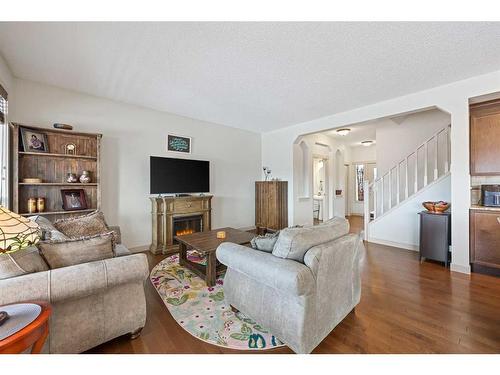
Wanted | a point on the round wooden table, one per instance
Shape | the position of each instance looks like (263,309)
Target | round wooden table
(34,334)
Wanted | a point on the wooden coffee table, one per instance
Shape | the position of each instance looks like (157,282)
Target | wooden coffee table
(206,243)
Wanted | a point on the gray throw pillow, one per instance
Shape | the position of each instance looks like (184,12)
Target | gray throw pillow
(293,243)
(49,232)
(28,259)
(59,254)
(265,242)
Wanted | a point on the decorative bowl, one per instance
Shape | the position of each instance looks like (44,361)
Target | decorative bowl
(429,206)
(439,206)
(32,180)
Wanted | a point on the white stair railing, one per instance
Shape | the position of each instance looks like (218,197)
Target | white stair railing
(408,176)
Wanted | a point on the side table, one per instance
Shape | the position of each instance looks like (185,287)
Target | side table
(435,236)
(31,335)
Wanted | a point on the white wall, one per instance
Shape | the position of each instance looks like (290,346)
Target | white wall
(363,153)
(130,135)
(401,227)
(452,98)
(6,77)
(395,141)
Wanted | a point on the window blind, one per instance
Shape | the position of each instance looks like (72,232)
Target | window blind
(3,104)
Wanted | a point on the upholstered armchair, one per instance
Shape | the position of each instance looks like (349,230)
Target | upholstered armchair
(303,289)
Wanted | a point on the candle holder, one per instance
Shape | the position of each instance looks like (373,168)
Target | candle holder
(221,234)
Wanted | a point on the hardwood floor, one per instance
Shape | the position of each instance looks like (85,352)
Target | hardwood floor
(406,307)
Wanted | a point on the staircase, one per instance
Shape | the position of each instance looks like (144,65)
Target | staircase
(426,166)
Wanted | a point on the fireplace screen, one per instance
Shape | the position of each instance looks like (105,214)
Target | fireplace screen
(187,225)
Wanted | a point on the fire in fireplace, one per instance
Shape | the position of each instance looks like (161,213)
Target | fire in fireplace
(182,232)
(187,224)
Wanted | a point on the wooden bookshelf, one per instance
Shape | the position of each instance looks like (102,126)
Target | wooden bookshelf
(52,167)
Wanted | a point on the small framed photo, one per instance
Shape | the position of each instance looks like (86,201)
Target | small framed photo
(74,199)
(178,143)
(34,141)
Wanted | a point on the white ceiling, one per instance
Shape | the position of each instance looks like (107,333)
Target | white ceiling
(359,133)
(256,76)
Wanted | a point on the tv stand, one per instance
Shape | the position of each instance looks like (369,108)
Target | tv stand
(165,209)
(182,195)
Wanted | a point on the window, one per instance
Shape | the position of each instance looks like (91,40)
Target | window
(360,179)
(3,147)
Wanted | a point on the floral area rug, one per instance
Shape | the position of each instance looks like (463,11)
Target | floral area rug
(201,310)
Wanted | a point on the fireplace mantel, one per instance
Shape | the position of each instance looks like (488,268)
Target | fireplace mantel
(163,212)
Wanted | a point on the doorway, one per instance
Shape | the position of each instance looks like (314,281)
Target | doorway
(320,189)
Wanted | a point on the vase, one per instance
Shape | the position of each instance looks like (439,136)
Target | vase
(40,204)
(85,177)
(71,178)
(31,205)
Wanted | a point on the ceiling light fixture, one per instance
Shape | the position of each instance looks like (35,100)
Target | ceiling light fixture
(367,143)
(343,132)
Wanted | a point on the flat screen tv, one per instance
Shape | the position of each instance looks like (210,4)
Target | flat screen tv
(177,176)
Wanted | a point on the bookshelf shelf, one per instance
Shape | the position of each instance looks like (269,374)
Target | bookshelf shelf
(58,184)
(65,156)
(58,212)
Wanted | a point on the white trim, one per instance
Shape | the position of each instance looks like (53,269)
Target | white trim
(139,249)
(405,246)
(460,268)
(246,229)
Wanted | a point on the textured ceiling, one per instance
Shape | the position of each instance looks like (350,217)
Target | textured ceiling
(359,133)
(256,76)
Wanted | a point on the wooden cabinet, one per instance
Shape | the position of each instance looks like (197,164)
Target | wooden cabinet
(485,139)
(271,205)
(485,241)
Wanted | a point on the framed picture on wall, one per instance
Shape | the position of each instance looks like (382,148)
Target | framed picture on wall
(178,143)
(34,141)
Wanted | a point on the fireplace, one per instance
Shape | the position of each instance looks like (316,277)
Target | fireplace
(167,209)
(183,225)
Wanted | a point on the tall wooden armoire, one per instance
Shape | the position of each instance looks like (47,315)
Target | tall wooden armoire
(271,205)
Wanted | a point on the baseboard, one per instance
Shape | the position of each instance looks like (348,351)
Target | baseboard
(139,249)
(460,268)
(246,229)
(405,246)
